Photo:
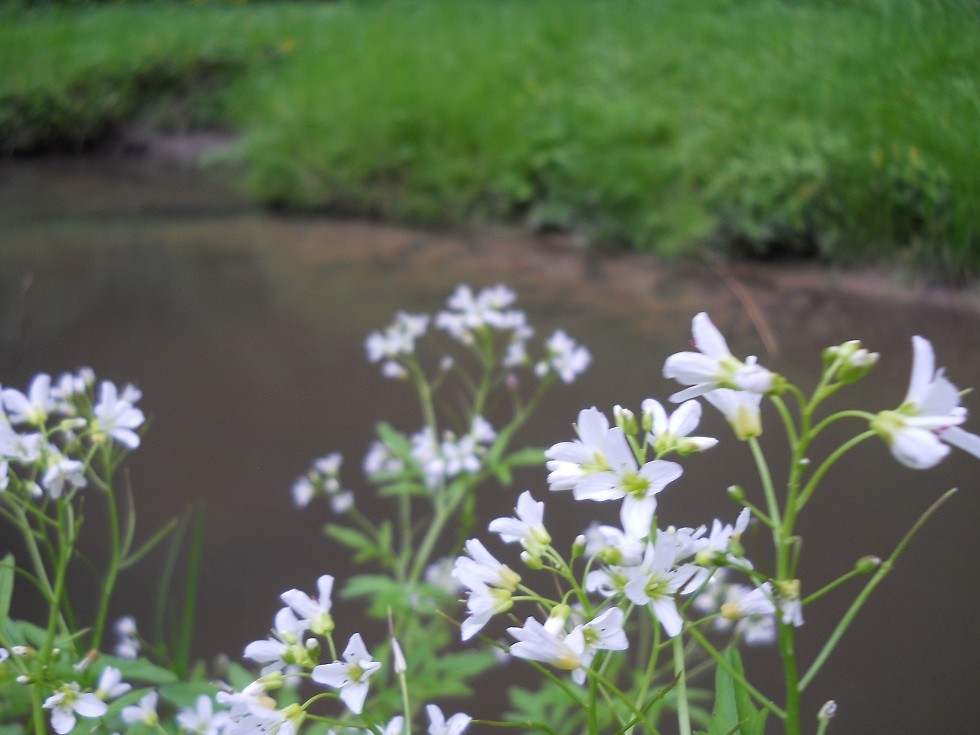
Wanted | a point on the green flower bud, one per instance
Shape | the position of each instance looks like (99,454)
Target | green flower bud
(625,420)
(867,564)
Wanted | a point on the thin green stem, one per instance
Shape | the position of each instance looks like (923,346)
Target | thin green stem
(837,417)
(615,691)
(814,480)
(766,478)
(680,673)
(66,542)
(832,586)
(787,650)
(858,603)
(109,581)
(722,662)
(787,418)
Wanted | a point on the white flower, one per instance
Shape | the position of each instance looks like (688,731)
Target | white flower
(398,338)
(202,720)
(489,584)
(613,546)
(671,433)
(537,642)
(440,574)
(379,460)
(62,472)
(395,726)
(763,601)
(605,632)
(285,647)
(71,386)
(398,663)
(111,684)
(929,416)
(714,366)
(714,550)
(316,611)
(127,638)
(566,358)
(527,528)
(116,416)
(4,474)
(349,675)
(487,309)
(22,448)
(656,582)
(145,711)
(67,701)
(740,409)
(481,567)
(570,462)
(638,486)
(438,725)
(33,408)
(323,478)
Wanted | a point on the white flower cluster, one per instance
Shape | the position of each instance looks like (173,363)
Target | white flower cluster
(441,461)
(919,432)
(471,314)
(395,342)
(70,700)
(484,321)
(46,434)
(624,569)
(323,478)
(252,710)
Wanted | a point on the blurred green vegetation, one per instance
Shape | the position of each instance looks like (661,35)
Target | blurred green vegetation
(842,129)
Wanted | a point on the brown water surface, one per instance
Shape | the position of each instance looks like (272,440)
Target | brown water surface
(245,330)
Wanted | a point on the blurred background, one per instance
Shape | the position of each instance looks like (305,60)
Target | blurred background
(213,200)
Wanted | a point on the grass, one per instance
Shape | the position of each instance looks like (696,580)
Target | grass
(840,129)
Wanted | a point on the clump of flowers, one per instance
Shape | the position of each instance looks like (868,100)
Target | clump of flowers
(619,624)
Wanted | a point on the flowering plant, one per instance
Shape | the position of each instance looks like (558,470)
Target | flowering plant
(622,625)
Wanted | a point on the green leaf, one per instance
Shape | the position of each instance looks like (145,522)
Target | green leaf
(734,712)
(6,587)
(183,694)
(528,457)
(406,487)
(239,677)
(140,670)
(396,442)
(349,537)
(382,591)
(503,474)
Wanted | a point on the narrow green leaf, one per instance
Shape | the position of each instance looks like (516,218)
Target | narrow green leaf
(528,457)
(140,670)
(348,537)
(407,487)
(397,442)
(503,474)
(6,587)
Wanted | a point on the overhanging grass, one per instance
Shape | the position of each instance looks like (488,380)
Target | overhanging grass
(841,128)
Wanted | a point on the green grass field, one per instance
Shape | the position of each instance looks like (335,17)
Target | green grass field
(844,129)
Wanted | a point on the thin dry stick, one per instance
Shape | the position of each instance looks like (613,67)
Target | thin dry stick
(745,298)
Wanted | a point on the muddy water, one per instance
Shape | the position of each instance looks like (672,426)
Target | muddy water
(245,331)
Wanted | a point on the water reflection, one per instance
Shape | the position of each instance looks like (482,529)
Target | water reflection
(245,333)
